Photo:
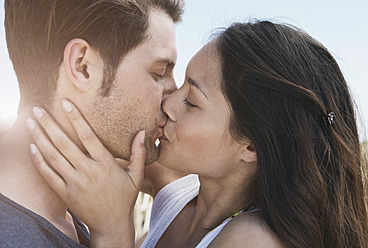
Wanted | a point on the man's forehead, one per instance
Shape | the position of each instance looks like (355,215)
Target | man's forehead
(152,54)
(160,42)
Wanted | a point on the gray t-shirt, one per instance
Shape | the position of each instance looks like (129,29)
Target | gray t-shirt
(20,227)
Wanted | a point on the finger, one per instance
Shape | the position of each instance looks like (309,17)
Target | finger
(85,133)
(49,152)
(137,159)
(123,163)
(53,178)
(61,141)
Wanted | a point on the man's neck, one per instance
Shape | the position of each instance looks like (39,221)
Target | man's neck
(21,182)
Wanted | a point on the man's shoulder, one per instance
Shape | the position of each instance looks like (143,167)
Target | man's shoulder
(17,228)
(12,216)
(20,227)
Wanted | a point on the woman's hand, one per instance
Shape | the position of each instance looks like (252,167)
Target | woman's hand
(99,189)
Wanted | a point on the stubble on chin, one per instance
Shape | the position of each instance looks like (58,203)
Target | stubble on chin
(152,152)
(117,131)
(121,148)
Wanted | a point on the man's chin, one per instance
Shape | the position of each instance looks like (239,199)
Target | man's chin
(152,154)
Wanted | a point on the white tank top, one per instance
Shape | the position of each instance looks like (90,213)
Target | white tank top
(169,202)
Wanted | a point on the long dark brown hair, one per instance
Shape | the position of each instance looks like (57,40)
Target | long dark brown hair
(281,85)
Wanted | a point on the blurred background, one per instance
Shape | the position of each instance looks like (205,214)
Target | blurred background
(341,25)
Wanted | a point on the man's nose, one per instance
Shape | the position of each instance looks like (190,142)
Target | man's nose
(169,87)
(169,106)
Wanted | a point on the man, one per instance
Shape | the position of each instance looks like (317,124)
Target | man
(114,59)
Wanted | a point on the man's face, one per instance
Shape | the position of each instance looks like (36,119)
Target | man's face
(143,78)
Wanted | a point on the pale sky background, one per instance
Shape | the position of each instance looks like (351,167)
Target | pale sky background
(341,25)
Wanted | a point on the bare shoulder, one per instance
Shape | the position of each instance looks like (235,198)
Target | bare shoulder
(247,230)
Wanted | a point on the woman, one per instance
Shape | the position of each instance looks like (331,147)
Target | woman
(266,121)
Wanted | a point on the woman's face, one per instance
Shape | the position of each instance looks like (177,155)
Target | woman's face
(197,138)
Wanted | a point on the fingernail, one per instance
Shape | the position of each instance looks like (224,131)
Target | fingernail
(143,136)
(33,148)
(67,106)
(30,123)
(38,112)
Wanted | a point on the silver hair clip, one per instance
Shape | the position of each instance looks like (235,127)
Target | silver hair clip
(331,118)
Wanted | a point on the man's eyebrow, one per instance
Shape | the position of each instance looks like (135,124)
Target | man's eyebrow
(164,60)
(191,81)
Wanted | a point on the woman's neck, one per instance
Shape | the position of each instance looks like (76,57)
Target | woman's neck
(218,199)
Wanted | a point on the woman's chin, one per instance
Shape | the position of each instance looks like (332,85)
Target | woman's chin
(161,150)
(164,158)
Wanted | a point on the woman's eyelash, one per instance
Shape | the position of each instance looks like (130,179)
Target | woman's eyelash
(188,104)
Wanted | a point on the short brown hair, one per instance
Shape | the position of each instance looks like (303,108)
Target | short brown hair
(37,32)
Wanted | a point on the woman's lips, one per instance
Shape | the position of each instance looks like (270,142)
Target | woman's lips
(163,136)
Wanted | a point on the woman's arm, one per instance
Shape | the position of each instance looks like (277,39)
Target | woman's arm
(99,189)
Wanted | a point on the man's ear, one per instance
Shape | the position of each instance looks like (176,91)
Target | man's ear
(248,153)
(79,62)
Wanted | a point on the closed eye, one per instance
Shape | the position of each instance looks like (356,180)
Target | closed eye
(188,104)
(157,76)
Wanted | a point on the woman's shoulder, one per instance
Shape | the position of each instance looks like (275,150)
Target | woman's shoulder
(247,230)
